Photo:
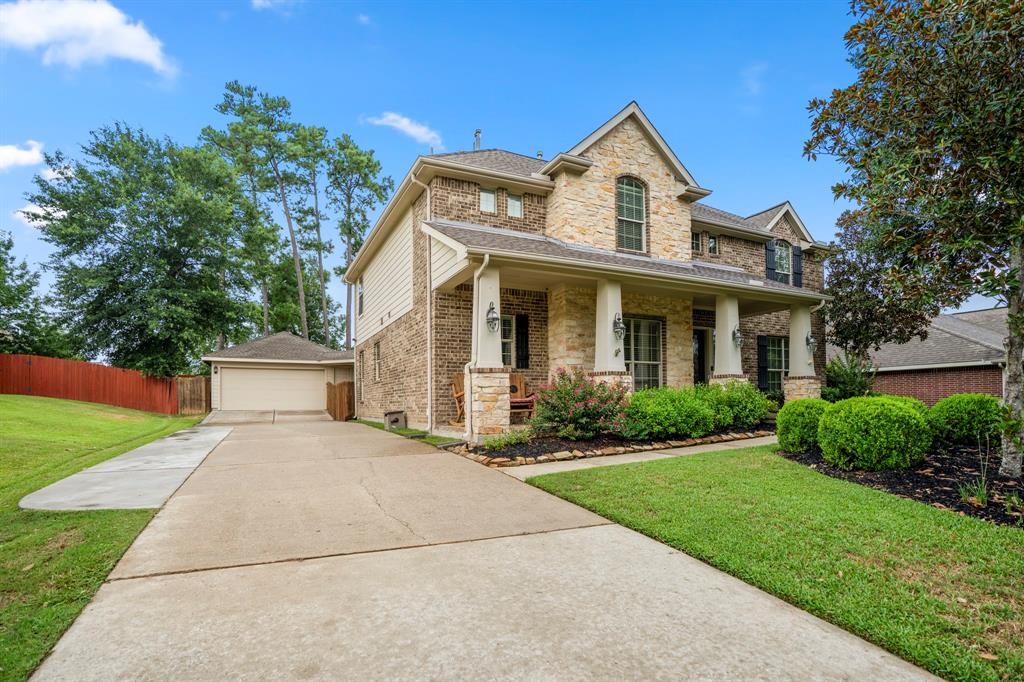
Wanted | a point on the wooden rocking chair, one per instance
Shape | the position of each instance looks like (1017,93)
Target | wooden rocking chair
(519,400)
(459,394)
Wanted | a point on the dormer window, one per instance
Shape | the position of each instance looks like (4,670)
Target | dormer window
(631,209)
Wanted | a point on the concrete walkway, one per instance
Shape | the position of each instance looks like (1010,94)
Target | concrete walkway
(323,550)
(142,478)
(526,471)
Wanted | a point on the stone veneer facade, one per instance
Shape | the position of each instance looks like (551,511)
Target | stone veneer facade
(580,209)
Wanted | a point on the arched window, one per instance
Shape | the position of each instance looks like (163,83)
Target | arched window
(783,259)
(631,209)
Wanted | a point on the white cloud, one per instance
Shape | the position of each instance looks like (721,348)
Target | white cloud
(279,5)
(49,174)
(405,125)
(364,19)
(77,32)
(752,78)
(12,155)
(28,214)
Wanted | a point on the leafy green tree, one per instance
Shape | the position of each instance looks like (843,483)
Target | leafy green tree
(26,326)
(146,237)
(865,310)
(264,121)
(310,153)
(284,312)
(931,133)
(356,188)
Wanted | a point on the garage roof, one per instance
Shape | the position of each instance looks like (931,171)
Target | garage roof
(282,346)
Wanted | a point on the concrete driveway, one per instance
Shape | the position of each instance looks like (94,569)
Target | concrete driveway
(320,550)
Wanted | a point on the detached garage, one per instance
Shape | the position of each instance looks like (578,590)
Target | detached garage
(280,372)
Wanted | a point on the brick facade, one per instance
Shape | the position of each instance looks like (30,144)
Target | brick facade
(932,385)
(455,199)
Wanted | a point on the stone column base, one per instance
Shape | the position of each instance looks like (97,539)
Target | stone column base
(801,387)
(723,379)
(489,402)
(621,378)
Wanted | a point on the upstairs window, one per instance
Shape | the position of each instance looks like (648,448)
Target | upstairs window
(488,203)
(783,260)
(695,244)
(515,206)
(631,208)
(359,297)
(713,244)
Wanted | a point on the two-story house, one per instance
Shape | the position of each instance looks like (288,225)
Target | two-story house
(606,256)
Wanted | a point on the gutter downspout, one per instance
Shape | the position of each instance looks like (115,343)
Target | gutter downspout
(467,382)
(430,313)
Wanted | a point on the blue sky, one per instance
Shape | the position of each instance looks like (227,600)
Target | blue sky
(727,84)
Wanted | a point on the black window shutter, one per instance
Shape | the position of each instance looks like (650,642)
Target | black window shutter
(762,363)
(522,342)
(769,259)
(798,266)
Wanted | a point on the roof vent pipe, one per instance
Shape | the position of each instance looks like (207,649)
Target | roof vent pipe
(476,140)
(540,154)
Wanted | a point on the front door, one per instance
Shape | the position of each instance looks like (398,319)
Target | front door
(700,356)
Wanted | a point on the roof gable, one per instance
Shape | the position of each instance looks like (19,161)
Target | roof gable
(770,217)
(632,110)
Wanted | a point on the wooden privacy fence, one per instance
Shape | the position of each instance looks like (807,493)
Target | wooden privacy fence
(341,403)
(95,383)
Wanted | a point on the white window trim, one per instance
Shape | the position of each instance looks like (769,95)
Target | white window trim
(359,297)
(714,237)
(511,341)
(642,222)
(630,363)
(789,265)
(700,242)
(494,193)
(508,204)
(783,372)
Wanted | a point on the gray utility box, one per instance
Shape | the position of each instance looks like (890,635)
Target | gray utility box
(394,420)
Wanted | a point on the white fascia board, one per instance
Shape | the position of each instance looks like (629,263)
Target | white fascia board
(788,208)
(458,247)
(942,365)
(319,363)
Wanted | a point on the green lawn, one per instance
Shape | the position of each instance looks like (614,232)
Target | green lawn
(51,563)
(938,589)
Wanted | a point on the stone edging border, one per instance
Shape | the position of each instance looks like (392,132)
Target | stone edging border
(499,461)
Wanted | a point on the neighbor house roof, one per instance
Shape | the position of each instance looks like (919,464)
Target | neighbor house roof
(955,340)
(481,239)
(283,346)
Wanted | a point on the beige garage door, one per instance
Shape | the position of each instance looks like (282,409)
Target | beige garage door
(272,389)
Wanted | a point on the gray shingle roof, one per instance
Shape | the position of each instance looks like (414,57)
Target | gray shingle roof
(493,239)
(952,340)
(496,159)
(281,346)
(761,220)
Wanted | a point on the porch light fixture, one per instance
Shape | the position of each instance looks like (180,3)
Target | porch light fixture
(492,317)
(737,337)
(618,327)
(812,343)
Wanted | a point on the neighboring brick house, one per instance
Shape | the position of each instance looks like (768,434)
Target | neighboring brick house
(963,353)
(487,262)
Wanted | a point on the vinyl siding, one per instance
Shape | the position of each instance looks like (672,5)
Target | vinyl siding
(444,263)
(387,281)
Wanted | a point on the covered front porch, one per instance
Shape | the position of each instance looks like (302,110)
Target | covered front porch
(498,312)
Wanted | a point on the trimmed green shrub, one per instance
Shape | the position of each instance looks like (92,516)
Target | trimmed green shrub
(912,403)
(797,424)
(967,418)
(667,412)
(576,407)
(873,434)
(714,396)
(749,406)
(508,439)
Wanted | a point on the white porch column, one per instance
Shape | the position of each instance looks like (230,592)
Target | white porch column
(801,363)
(801,382)
(608,354)
(489,342)
(728,357)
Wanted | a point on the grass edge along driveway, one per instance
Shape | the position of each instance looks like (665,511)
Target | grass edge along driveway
(52,563)
(938,589)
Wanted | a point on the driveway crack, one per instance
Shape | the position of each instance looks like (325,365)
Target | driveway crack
(376,501)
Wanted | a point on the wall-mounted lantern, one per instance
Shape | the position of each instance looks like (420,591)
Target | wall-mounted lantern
(618,327)
(737,337)
(492,317)
(812,343)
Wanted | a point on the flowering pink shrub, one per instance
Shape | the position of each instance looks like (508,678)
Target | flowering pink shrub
(576,407)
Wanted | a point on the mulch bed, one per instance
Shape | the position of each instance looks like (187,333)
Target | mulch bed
(551,448)
(936,481)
